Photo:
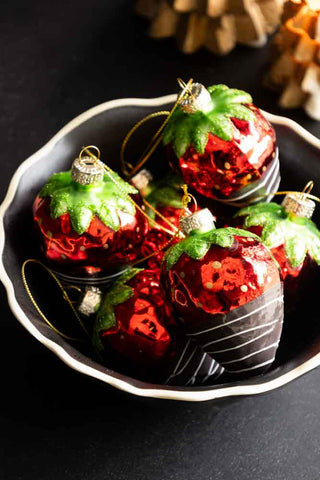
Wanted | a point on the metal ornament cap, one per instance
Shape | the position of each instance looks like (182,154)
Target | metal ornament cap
(90,301)
(198,99)
(299,204)
(201,221)
(87,170)
(142,179)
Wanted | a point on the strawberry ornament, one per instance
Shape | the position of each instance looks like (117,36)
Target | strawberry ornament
(291,235)
(225,287)
(164,205)
(86,220)
(130,320)
(222,145)
(133,328)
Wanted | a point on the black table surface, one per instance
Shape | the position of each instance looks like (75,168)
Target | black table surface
(57,60)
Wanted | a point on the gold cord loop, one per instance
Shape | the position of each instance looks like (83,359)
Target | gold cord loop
(87,151)
(304,194)
(64,295)
(156,139)
(187,198)
(307,189)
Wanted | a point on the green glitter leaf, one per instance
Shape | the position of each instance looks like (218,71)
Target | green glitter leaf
(166,192)
(184,130)
(118,294)
(197,248)
(105,200)
(300,236)
(198,244)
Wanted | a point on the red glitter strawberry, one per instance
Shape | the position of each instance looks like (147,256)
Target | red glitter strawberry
(134,329)
(222,145)
(131,320)
(165,196)
(225,287)
(87,221)
(291,236)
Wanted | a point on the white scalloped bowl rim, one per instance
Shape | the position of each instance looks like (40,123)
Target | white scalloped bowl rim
(163,393)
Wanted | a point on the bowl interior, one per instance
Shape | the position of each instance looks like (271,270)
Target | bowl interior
(299,163)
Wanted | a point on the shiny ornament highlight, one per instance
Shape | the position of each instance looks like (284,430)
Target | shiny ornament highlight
(224,151)
(208,276)
(88,228)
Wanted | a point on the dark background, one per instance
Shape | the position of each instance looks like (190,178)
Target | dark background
(57,60)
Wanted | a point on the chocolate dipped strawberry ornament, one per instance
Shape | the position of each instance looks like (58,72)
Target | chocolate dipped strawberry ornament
(225,287)
(291,235)
(134,329)
(222,145)
(87,222)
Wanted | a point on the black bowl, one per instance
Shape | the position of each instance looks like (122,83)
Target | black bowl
(106,126)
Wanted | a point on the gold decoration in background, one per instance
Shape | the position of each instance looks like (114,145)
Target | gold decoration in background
(295,68)
(217,25)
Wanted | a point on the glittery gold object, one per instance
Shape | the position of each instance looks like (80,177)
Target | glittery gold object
(90,301)
(295,69)
(199,99)
(142,179)
(299,205)
(217,25)
(87,171)
(202,221)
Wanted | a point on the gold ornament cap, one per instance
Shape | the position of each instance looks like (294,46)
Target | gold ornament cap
(88,170)
(299,204)
(142,179)
(90,301)
(201,221)
(197,99)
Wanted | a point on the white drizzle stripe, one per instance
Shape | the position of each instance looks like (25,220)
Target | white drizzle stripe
(237,319)
(260,185)
(187,362)
(241,333)
(200,365)
(175,373)
(253,368)
(216,366)
(180,359)
(242,344)
(273,188)
(251,354)
(192,379)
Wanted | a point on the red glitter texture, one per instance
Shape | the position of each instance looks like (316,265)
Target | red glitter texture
(98,249)
(140,333)
(295,279)
(223,280)
(157,238)
(227,166)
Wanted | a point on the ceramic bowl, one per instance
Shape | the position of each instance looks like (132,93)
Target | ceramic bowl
(106,125)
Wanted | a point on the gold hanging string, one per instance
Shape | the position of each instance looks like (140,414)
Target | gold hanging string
(64,295)
(150,220)
(126,167)
(187,87)
(147,204)
(307,189)
(87,151)
(159,250)
(73,287)
(186,199)
(303,195)
(156,139)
